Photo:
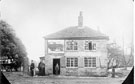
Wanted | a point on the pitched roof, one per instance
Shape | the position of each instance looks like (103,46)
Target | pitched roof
(75,32)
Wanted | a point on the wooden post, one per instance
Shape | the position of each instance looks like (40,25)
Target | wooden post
(113,68)
(113,72)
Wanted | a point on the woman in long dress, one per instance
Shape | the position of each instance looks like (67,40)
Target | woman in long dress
(57,69)
(41,68)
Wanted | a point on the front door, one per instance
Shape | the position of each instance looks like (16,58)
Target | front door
(56,66)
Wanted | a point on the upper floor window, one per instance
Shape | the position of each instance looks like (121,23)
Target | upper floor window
(89,45)
(90,61)
(72,62)
(55,46)
(72,45)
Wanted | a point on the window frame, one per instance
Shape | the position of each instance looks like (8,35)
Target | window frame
(90,62)
(71,62)
(93,45)
(72,45)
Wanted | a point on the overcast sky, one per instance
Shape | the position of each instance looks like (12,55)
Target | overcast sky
(33,19)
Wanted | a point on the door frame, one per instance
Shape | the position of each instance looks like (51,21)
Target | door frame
(56,60)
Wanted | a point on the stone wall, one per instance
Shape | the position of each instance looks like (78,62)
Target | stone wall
(79,71)
(101,60)
(83,71)
(49,65)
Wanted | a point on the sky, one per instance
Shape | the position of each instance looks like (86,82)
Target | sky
(34,19)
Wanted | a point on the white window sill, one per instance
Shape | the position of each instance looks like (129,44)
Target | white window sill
(71,67)
(90,67)
(71,50)
(90,50)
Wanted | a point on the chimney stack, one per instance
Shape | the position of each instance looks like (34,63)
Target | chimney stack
(80,20)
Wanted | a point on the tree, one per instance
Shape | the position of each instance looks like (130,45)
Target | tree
(11,45)
(115,54)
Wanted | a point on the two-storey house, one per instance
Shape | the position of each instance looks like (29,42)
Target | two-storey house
(77,50)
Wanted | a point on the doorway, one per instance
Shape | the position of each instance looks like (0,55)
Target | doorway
(56,62)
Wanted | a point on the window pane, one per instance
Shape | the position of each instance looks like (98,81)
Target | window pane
(90,45)
(94,46)
(86,62)
(71,62)
(94,65)
(94,62)
(76,62)
(90,62)
(75,45)
(68,62)
(86,45)
(75,48)
(68,65)
(86,48)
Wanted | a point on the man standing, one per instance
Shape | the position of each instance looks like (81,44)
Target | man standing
(32,66)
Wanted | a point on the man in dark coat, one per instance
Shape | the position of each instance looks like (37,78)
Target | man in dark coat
(41,68)
(32,66)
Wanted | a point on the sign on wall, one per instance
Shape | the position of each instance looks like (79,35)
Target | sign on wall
(55,46)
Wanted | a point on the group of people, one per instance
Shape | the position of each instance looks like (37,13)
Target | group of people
(41,68)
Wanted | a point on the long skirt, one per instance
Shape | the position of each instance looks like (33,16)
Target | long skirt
(42,72)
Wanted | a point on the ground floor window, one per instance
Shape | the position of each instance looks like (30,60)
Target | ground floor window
(72,62)
(90,61)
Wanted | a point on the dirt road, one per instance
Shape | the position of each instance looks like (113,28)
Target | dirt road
(17,78)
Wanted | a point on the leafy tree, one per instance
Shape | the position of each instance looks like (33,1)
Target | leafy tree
(11,46)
